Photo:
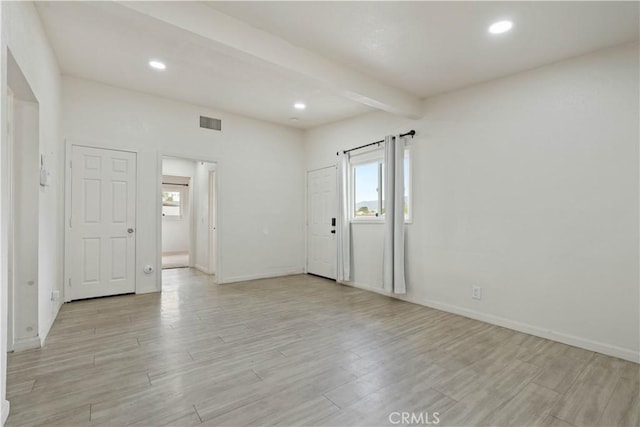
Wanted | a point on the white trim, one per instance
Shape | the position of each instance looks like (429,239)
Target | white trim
(211,222)
(284,272)
(305,264)
(69,144)
(572,340)
(26,344)
(367,288)
(10,212)
(201,269)
(174,253)
(192,221)
(6,408)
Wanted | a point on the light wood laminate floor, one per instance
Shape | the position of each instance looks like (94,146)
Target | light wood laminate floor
(301,350)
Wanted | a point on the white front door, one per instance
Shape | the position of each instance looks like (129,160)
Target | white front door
(321,214)
(103,216)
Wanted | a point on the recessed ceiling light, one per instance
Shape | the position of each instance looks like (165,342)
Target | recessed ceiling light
(299,106)
(157,65)
(500,27)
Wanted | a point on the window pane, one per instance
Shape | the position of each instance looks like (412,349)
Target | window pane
(171,203)
(366,190)
(171,196)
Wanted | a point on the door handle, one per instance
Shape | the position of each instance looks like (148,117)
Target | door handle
(129,230)
(333,231)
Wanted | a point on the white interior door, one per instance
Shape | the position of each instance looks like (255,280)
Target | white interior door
(103,215)
(321,214)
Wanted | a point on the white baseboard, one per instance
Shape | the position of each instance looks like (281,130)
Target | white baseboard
(6,407)
(368,288)
(202,269)
(147,290)
(26,344)
(599,347)
(288,272)
(175,253)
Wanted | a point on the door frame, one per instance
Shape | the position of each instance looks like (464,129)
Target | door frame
(213,254)
(217,278)
(69,144)
(306,214)
(10,209)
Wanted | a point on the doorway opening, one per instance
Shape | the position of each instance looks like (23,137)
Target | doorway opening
(188,216)
(23,174)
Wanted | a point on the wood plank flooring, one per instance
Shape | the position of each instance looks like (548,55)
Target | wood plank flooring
(300,350)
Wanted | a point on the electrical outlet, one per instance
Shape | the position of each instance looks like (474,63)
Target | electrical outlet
(55,295)
(476,292)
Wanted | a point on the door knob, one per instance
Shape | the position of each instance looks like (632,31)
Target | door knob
(129,230)
(333,231)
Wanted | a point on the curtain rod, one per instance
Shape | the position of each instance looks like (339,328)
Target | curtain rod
(410,133)
(170,183)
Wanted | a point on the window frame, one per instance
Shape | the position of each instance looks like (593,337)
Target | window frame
(372,156)
(174,188)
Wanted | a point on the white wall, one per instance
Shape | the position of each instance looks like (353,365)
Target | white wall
(260,170)
(528,187)
(22,33)
(25,147)
(176,232)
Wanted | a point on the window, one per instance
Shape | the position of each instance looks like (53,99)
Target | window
(367,186)
(171,203)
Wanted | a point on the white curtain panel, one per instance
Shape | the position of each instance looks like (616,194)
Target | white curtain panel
(393,263)
(343,232)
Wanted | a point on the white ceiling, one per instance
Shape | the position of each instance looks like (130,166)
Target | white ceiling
(432,47)
(113,45)
(376,54)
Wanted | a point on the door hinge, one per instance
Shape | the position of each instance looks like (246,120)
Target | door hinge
(70,226)
(69,281)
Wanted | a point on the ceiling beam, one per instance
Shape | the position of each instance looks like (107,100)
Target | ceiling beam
(239,39)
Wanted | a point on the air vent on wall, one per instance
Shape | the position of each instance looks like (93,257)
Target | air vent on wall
(210,123)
